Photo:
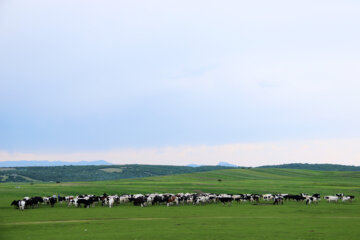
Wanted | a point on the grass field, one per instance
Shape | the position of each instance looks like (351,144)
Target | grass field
(238,221)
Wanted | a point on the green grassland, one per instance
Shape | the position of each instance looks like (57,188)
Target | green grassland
(214,221)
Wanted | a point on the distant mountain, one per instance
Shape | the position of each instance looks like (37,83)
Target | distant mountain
(319,167)
(226,164)
(50,163)
(193,165)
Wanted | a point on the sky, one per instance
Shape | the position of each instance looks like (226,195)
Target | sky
(180,82)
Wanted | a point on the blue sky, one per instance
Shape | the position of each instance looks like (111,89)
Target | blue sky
(176,82)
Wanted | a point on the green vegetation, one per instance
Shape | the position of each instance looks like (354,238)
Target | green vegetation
(113,172)
(239,221)
(94,173)
(320,167)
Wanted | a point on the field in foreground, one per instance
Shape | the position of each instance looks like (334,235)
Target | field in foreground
(291,220)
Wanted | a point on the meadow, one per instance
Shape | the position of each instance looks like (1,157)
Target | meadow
(239,221)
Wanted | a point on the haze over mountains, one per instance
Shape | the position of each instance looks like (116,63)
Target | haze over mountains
(321,167)
(51,163)
(25,163)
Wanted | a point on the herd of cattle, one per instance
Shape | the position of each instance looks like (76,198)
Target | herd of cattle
(172,199)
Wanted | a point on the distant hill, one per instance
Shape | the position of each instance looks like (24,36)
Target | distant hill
(193,165)
(320,167)
(226,164)
(72,173)
(50,163)
(223,164)
(94,173)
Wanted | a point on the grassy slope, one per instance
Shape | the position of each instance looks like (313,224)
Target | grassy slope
(324,221)
(94,173)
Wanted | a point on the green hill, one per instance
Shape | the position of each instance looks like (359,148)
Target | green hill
(94,173)
(321,167)
(113,172)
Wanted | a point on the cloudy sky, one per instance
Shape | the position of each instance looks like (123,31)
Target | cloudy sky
(179,82)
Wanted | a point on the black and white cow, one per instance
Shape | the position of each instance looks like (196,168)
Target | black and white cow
(348,198)
(278,199)
(225,198)
(19,204)
(332,198)
(139,200)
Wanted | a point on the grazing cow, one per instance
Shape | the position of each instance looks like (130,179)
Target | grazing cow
(278,199)
(225,198)
(18,204)
(237,198)
(52,201)
(31,203)
(246,197)
(85,201)
(202,200)
(124,199)
(111,201)
(304,195)
(332,198)
(157,200)
(15,203)
(255,197)
(172,200)
(61,199)
(348,198)
(309,200)
(21,204)
(140,200)
(268,197)
(340,195)
(316,195)
(37,200)
(294,197)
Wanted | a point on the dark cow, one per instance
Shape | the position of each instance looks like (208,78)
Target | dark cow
(140,201)
(52,201)
(294,197)
(15,203)
(61,199)
(86,202)
(225,198)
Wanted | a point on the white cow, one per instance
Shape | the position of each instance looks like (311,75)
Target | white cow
(111,202)
(332,198)
(124,199)
(22,205)
(268,197)
(347,198)
(202,200)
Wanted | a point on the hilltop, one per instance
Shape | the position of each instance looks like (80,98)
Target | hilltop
(320,167)
(94,173)
(112,172)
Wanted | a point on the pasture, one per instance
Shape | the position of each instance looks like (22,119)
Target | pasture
(239,221)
